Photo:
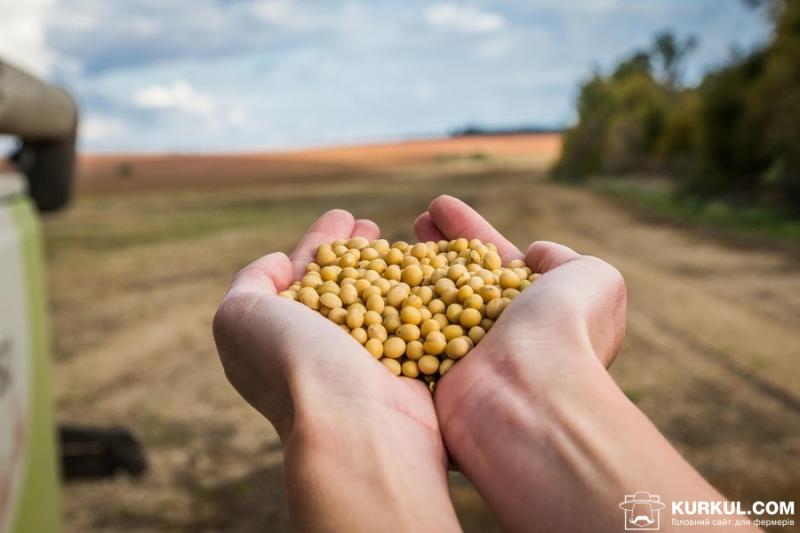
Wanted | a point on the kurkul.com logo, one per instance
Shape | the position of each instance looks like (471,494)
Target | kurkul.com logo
(642,511)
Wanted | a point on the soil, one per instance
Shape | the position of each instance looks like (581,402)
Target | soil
(138,265)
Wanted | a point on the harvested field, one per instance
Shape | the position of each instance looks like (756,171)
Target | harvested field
(138,265)
(117,173)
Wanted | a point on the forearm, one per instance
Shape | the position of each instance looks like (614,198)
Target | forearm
(561,456)
(352,475)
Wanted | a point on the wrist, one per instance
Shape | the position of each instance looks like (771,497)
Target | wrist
(570,432)
(510,381)
(373,429)
(370,411)
(334,464)
(522,439)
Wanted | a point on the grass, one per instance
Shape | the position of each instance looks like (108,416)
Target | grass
(100,224)
(633,395)
(166,225)
(656,198)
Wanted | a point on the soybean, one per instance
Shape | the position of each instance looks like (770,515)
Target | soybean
(417,308)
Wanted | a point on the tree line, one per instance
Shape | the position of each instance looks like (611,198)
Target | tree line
(735,136)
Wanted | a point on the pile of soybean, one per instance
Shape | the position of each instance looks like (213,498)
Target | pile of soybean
(416,308)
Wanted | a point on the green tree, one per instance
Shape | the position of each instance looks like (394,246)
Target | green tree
(735,136)
(671,53)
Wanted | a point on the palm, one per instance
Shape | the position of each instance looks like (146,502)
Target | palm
(281,339)
(342,368)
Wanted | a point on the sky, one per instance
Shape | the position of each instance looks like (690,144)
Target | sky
(240,75)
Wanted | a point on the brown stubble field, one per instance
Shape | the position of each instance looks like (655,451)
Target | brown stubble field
(140,261)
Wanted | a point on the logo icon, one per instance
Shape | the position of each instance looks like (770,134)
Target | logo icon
(642,511)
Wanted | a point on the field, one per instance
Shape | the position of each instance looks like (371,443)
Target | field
(138,264)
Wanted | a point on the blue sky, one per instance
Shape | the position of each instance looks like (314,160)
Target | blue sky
(219,75)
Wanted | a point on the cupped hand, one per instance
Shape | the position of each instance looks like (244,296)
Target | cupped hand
(531,415)
(298,368)
(569,320)
(363,451)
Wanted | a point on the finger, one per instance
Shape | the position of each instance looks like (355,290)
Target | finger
(335,224)
(456,219)
(269,274)
(425,229)
(543,256)
(366,228)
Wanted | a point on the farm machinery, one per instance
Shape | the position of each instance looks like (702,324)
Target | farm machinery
(35,455)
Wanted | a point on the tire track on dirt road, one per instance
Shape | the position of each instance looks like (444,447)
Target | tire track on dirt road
(780,394)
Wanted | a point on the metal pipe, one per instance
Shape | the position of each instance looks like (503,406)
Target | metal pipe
(32,109)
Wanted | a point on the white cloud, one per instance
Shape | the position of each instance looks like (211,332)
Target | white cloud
(179,96)
(298,72)
(463,18)
(98,128)
(22,35)
(273,11)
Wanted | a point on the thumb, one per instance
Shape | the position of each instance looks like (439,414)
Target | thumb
(266,275)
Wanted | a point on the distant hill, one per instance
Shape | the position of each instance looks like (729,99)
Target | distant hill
(134,172)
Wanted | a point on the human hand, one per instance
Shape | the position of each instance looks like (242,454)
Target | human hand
(527,383)
(340,414)
(532,417)
(572,317)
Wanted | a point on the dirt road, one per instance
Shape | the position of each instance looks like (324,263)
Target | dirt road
(711,355)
